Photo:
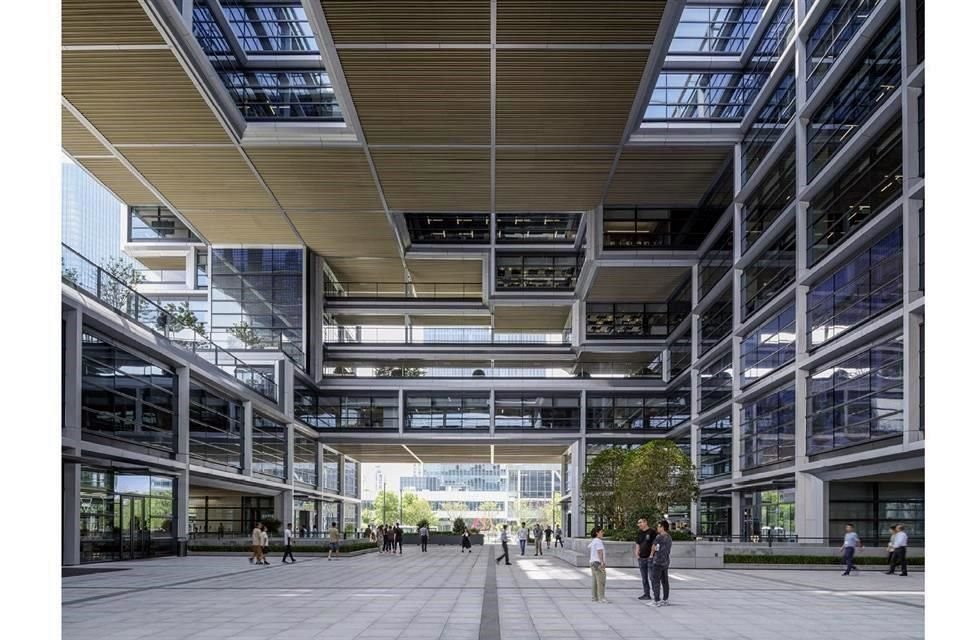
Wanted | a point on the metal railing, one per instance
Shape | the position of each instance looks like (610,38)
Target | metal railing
(442,335)
(89,278)
(162,276)
(403,290)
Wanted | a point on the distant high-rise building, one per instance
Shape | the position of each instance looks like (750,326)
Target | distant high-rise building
(90,216)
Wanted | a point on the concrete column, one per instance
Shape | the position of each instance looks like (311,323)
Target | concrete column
(577,323)
(800,383)
(181,504)
(183,415)
(811,508)
(319,465)
(285,375)
(247,462)
(72,373)
(283,505)
(70,552)
(911,378)
(583,412)
(736,515)
(315,305)
(289,461)
(493,412)
(577,466)
(401,410)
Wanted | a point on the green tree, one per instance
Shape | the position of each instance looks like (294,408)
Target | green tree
(600,487)
(399,372)
(118,290)
(657,475)
(245,334)
(459,526)
(416,509)
(378,515)
(182,317)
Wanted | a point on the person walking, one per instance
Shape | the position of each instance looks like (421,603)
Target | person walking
(522,536)
(559,533)
(598,565)
(334,534)
(398,538)
(893,534)
(424,537)
(465,542)
(899,555)
(547,534)
(662,545)
(850,543)
(380,542)
(504,539)
(537,540)
(220,531)
(265,544)
(256,543)
(641,551)
(288,543)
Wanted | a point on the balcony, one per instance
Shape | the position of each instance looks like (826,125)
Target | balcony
(336,334)
(404,290)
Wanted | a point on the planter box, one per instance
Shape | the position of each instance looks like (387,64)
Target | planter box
(683,555)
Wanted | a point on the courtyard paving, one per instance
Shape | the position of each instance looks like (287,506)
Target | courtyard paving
(444,594)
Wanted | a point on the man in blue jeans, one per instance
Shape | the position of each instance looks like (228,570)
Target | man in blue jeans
(641,552)
(850,543)
(522,538)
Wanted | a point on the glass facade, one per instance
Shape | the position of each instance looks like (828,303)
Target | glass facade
(680,354)
(772,120)
(269,448)
(716,262)
(448,228)
(769,347)
(858,96)
(236,514)
(156,224)
(715,97)
(767,429)
(634,320)
(775,37)
(769,514)
(835,29)
(305,459)
(216,428)
(866,286)
(769,274)
(536,228)
(872,507)
(89,220)
(448,411)
(714,517)
(771,198)
(716,321)
(632,228)
(522,411)
(872,181)
(716,29)
(538,271)
(716,381)
(331,471)
(636,413)
(716,448)
(351,479)
(257,298)
(126,398)
(856,400)
(347,411)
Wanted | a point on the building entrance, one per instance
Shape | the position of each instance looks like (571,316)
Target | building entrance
(134,532)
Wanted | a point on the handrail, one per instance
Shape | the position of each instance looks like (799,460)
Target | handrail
(352,334)
(89,278)
(401,290)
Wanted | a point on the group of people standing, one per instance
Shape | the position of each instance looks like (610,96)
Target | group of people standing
(652,552)
(539,534)
(389,538)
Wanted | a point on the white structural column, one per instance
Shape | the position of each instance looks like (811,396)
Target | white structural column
(248,438)
(315,307)
(72,387)
(70,554)
(578,457)
(181,502)
(285,508)
(811,508)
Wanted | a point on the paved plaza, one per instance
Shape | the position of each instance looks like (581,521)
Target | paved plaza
(446,594)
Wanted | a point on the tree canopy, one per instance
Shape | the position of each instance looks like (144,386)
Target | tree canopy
(386,509)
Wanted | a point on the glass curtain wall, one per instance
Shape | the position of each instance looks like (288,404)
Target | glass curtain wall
(636,413)
(305,459)
(772,272)
(269,448)
(448,411)
(523,411)
(216,428)
(716,448)
(770,347)
(716,381)
(767,429)
(331,471)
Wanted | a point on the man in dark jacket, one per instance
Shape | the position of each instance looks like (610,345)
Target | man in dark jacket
(662,545)
(398,537)
(641,551)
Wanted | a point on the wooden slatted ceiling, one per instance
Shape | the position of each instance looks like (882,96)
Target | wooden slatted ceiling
(531,317)
(75,138)
(578,21)
(347,234)
(636,284)
(242,227)
(551,180)
(348,319)
(434,180)
(314,178)
(119,180)
(162,262)
(105,22)
(408,21)
(447,271)
(138,97)
(203,178)
(565,97)
(676,176)
(420,96)
(370,270)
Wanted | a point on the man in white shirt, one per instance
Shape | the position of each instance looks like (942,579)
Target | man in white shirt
(424,537)
(598,565)
(522,538)
(899,555)
(850,543)
(288,543)
(504,539)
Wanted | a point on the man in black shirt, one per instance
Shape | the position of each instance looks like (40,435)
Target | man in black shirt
(641,552)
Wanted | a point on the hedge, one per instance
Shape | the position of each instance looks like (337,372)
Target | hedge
(737,558)
(301,548)
(630,535)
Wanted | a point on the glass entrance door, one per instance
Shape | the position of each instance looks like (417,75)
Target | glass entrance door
(134,531)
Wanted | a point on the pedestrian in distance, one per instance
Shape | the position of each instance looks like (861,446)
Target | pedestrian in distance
(220,531)
(288,543)
(547,534)
(641,551)
(522,536)
(851,541)
(559,533)
(465,542)
(334,534)
(398,538)
(256,543)
(899,556)
(598,565)
(504,540)
(662,546)
(424,538)
(893,534)
(537,540)
(265,544)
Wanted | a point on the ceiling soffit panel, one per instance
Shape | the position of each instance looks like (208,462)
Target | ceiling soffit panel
(665,175)
(636,284)
(315,178)
(76,139)
(347,234)
(447,271)
(551,180)
(119,180)
(578,22)
(242,227)
(379,271)
(406,21)
(434,180)
(423,96)
(531,317)
(565,96)
(106,22)
(202,178)
(138,97)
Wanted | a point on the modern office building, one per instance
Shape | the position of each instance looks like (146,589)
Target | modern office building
(506,232)
(89,215)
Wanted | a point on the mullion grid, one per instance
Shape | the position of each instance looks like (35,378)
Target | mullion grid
(269,448)
(206,417)
(716,262)
(770,199)
(758,422)
(771,122)
(782,252)
(527,411)
(305,451)
(716,448)
(716,322)
(716,381)
(783,322)
(722,29)
(832,34)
